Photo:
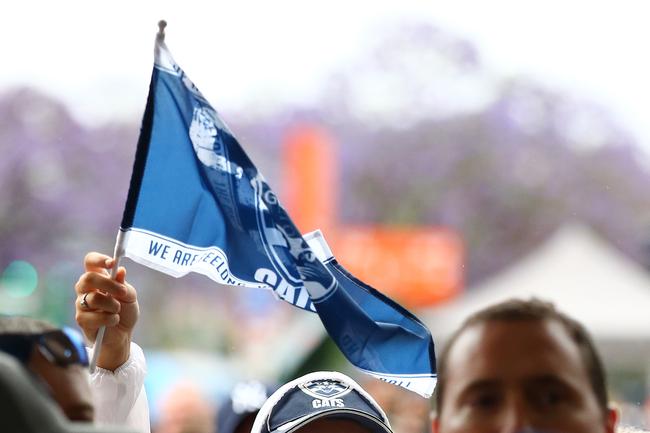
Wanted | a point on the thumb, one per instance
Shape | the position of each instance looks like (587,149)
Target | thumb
(120,276)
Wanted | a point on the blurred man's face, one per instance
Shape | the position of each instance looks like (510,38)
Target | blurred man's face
(509,376)
(69,386)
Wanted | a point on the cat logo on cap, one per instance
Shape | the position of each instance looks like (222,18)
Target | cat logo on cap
(325,388)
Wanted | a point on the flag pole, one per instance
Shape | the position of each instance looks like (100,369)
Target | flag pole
(119,250)
(118,253)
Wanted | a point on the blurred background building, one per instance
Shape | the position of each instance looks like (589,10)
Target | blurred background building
(441,178)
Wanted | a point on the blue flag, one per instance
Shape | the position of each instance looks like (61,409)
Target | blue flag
(197,203)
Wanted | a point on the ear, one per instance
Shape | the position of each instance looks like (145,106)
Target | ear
(611,419)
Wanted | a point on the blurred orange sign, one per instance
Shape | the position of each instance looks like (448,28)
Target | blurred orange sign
(416,266)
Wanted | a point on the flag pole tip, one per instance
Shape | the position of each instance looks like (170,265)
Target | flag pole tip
(161,27)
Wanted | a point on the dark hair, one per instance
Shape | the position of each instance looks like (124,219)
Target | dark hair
(533,309)
(15,332)
(23,325)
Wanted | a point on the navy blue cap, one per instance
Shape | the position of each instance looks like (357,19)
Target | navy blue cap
(316,396)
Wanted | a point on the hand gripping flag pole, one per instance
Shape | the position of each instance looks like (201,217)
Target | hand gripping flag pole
(118,253)
(197,203)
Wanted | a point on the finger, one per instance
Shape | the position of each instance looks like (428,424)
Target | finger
(99,302)
(97,262)
(92,281)
(130,295)
(120,276)
(91,321)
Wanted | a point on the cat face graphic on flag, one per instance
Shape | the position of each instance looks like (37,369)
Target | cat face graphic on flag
(289,254)
(282,236)
(207,143)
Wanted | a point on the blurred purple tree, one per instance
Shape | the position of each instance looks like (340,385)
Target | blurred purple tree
(63,184)
(429,136)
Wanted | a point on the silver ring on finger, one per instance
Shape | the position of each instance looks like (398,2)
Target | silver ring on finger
(84,303)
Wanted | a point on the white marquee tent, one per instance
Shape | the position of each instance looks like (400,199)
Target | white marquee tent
(583,276)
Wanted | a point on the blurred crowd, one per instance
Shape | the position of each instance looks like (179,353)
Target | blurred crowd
(515,366)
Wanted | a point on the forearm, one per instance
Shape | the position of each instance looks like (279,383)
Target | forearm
(114,353)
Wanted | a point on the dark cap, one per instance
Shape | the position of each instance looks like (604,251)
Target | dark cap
(319,395)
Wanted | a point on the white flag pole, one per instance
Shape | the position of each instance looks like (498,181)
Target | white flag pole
(118,253)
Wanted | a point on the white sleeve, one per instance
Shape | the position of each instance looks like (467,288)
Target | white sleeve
(119,396)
